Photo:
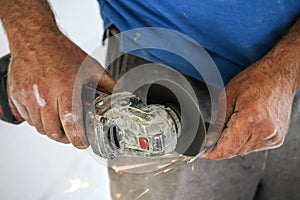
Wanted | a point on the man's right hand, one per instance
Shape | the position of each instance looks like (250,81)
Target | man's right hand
(45,86)
(47,72)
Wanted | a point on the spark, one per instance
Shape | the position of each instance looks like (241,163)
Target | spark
(118,195)
(76,184)
(193,167)
(169,156)
(169,169)
(131,190)
(190,160)
(162,166)
(117,169)
(164,171)
(158,173)
(143,193)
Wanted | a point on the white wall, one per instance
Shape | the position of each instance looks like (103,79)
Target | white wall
(3,42)
(32,166)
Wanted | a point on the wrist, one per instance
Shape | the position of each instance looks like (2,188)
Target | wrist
(27,22)
(284,59)
(285,65)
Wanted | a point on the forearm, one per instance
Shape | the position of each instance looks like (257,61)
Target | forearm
(285,59)
(27,23)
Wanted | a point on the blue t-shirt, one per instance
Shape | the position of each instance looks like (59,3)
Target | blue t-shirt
(236,33)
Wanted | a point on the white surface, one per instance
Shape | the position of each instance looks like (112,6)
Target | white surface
(3,42)
(32,166)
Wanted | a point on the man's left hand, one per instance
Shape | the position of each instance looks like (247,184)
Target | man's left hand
(258,107)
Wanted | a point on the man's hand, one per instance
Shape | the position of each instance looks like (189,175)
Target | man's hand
(257,114)
(47,72)
(259,101)
(45,86)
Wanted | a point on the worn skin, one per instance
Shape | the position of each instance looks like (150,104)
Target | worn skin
(43,69)
(259,101)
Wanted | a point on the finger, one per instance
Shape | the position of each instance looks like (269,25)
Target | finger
(232,139)
(225,111)
(264,146)
(261,137)
(29,111)
(93,72)
(269,143)
(70,113)
(226,107)
(35,116)
(34,109)
(61,138)
(28,120)
(22,110)
(107,82)
(52,125)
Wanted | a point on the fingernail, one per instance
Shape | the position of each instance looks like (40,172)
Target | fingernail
(55,136)
(82,147)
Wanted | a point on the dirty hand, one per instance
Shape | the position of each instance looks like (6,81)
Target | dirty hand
(258,107)
(45,82)
(47,71)
(258,102)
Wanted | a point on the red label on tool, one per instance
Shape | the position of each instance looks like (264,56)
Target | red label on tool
(1,111)
(144,143)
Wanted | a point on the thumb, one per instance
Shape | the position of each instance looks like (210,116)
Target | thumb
(71,117)
(91,72)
